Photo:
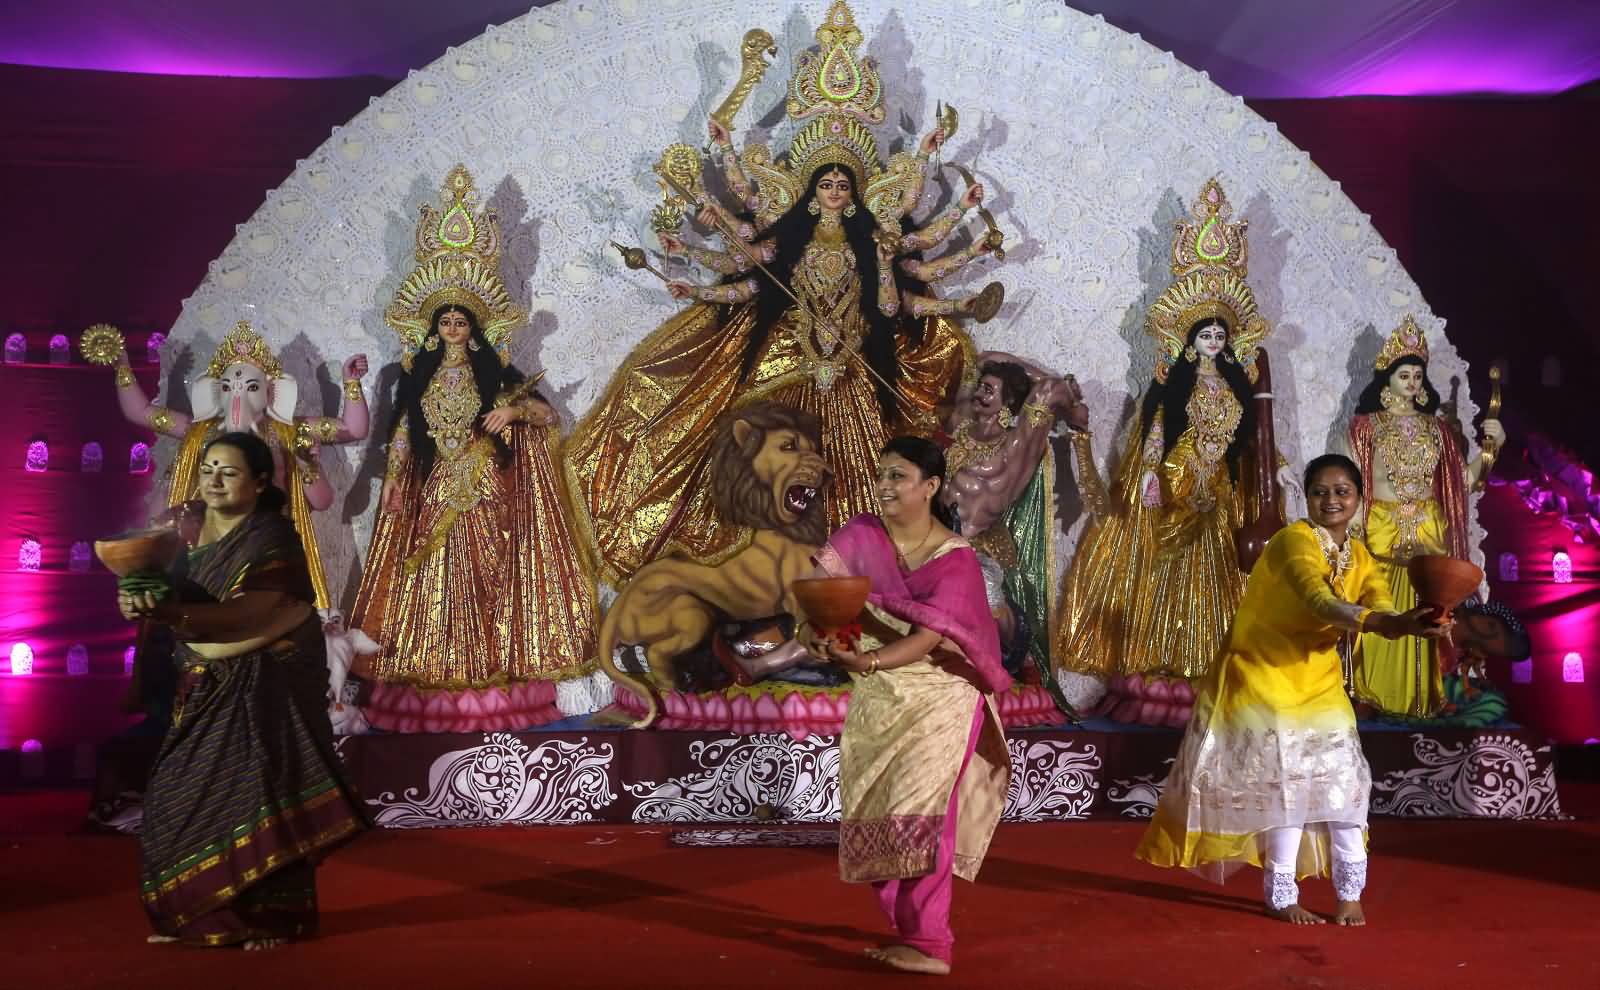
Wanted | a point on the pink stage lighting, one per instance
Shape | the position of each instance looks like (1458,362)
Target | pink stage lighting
(92,459)
(60,349)
(152,347)
(1522,671)
(1572,668)
(38,458)
(1561,567)
(21,659)
(16,349)
(139,458)
(80,557)
(127,661)
(78,660)
(29,556)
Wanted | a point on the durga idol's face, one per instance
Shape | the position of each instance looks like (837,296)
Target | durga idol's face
(1406,381)
(833,190)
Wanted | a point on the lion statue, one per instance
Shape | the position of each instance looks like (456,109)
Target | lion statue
(767,474)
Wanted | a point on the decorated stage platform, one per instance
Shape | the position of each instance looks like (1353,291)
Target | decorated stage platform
(581,772)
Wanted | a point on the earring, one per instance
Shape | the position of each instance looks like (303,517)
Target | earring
(1006,419)
(850,210)
(814,208)
(1421,399)
(1388,399)
(1190,354)
(472,345)
(432,344)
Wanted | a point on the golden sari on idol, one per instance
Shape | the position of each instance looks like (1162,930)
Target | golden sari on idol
(637,464)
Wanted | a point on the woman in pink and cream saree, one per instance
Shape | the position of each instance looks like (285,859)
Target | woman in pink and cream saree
(924,767)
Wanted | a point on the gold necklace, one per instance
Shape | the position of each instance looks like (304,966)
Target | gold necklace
(901,550)
(967,449)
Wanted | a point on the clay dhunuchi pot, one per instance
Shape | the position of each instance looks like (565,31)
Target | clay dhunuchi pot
(832,604)
(1443,582)
(140,550)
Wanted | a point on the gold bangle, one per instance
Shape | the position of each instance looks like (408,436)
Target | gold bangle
(352,390)
(874,668)
(125,377)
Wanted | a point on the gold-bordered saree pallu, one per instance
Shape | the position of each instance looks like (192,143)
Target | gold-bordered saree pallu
(908,730)
(247,792)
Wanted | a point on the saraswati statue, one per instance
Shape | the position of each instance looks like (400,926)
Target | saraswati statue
(821,302)
(475,587)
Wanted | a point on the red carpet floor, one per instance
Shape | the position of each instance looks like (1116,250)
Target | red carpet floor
(1460,904)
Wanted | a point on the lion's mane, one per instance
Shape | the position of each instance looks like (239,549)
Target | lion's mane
(746,500)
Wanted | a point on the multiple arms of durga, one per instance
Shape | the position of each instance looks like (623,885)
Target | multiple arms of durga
(893,249)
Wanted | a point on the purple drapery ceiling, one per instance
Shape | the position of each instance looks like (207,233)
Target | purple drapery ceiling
(1256,48)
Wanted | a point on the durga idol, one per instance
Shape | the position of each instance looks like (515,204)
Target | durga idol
(821,303)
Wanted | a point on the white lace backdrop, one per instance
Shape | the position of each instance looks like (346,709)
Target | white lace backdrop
(1090,142)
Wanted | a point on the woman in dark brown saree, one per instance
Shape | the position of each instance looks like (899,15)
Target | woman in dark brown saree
(247,793)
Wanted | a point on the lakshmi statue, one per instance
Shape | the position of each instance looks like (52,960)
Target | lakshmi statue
(823,306)
(1418,480)
(1157,577)
(1000,486)
(474,586)
(244,389)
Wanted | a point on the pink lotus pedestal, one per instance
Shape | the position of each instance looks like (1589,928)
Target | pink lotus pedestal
(402,708)
(1148,699)
(801,712)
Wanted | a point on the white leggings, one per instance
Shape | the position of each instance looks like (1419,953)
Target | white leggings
(1280,848)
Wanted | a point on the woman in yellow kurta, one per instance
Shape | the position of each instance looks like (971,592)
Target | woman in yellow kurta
(1420,480)
(923,768)
(1271,771)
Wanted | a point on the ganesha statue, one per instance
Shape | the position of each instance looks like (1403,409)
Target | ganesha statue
(244,389)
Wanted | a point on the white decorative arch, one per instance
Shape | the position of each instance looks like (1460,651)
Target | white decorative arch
(1090,141)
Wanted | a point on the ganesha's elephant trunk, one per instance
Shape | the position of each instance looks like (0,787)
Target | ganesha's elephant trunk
(608,647)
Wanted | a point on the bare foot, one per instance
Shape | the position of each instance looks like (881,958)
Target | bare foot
(904,957)
(1294,914)
(1350,914)
(261,944)
(160,939)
